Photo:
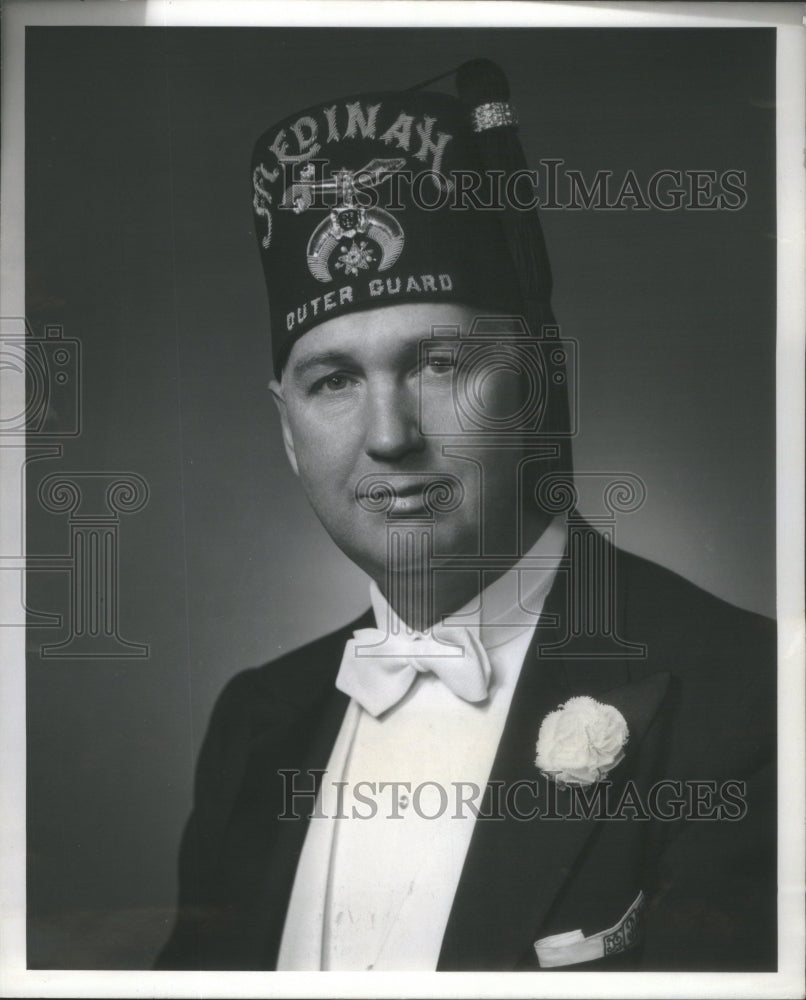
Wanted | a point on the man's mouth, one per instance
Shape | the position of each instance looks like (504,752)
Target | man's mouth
(399,493)
(409,501)
(406,490)
(392,493)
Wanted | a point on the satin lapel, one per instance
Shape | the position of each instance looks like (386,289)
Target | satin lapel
(515,868)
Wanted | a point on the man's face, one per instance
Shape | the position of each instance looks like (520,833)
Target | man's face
(350,403)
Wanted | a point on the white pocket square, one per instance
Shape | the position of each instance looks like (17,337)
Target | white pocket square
(573,947)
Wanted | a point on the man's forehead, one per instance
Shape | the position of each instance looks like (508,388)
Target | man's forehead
(392,329)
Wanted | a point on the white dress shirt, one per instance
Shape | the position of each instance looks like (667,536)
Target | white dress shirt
(378,873)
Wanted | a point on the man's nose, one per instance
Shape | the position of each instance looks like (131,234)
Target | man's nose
(393,428)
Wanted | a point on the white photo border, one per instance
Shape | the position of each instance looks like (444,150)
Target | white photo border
(15,980)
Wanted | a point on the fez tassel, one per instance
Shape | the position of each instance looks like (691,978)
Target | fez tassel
(484,89)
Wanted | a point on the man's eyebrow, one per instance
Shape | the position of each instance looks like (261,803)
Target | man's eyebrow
(320,360)
(328,358)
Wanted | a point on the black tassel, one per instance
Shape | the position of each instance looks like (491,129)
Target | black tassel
(480,82)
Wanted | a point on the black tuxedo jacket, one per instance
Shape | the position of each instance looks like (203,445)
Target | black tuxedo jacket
(700,705)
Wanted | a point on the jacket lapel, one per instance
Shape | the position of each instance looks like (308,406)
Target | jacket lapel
(304,746)
(532,858)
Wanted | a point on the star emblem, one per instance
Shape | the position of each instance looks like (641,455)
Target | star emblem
(357,257)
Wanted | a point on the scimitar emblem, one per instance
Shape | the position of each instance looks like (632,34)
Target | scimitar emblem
(347,218)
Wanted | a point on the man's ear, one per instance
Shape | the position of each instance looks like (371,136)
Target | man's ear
(279,400)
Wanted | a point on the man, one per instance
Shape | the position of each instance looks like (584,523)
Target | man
(535,752)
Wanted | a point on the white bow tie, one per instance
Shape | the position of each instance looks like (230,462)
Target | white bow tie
(379,678)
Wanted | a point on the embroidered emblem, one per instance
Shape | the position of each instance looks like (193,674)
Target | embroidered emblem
(627,933)
(358,256)
(573,948)
(347,219)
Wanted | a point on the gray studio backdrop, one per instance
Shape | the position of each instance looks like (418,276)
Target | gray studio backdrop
(140,247)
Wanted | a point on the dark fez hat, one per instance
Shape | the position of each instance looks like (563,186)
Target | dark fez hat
(363,202)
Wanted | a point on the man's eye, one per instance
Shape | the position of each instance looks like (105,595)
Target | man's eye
(336,382)
(440,362)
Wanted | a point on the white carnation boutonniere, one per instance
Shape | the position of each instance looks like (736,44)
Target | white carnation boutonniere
(581,742)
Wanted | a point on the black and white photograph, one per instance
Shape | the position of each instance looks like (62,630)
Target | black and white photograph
(402,441)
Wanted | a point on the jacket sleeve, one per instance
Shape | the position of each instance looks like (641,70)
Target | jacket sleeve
(203,911)
(714,904)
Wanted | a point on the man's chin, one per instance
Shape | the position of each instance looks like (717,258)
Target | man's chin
(404,546)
